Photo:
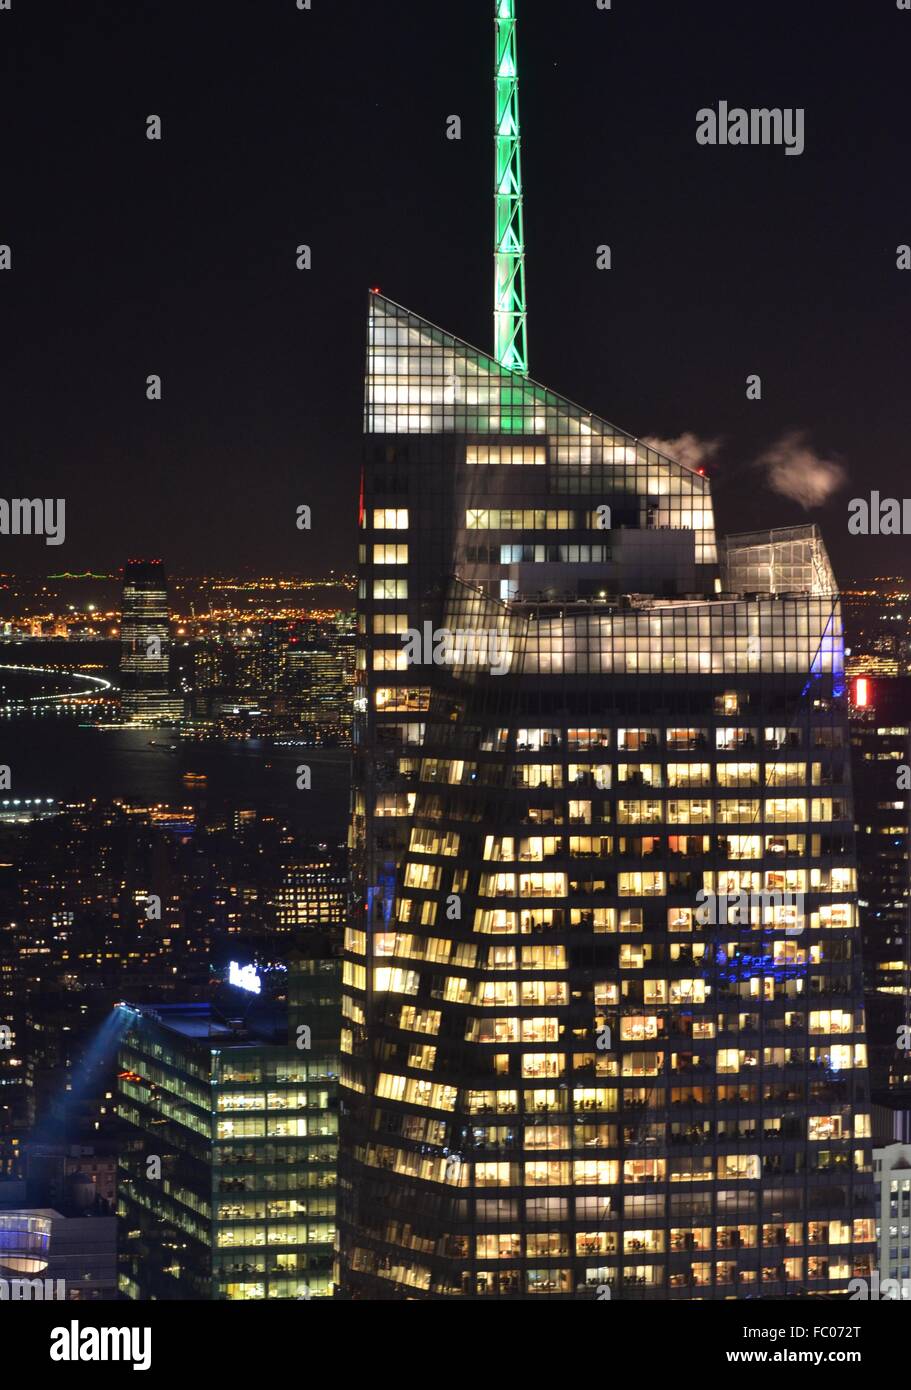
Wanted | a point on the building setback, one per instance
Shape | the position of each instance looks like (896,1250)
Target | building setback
(568,1068)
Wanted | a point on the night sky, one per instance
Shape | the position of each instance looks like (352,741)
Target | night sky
(281,127)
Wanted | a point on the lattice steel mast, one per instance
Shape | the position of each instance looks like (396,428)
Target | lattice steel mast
(510,341)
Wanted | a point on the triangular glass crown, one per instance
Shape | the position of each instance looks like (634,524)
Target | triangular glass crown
(421,380)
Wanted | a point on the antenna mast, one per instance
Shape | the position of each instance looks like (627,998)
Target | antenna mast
(511,347)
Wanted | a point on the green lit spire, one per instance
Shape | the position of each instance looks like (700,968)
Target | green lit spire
(510,345)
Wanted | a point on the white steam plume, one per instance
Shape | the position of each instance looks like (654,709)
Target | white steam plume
(687,449)
(793,469)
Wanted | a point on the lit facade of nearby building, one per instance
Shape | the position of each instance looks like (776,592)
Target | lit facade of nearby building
(57,1257)
(312,892)
(562,1074)
(243,1117)
(892,1168)
(881,756)
(146,646)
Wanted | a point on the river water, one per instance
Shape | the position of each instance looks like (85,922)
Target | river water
(52,755)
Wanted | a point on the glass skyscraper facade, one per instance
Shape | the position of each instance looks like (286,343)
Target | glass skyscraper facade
(881,744)
(227,1185)
(603,1028)
(145,645)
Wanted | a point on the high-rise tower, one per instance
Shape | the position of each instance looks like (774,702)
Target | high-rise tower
(603,1014)
(145,644)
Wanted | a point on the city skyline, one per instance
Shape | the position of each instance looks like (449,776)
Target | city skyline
(455,830)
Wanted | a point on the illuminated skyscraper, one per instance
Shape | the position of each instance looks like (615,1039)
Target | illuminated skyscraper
(603,1019)
(145,646)
(560,1076)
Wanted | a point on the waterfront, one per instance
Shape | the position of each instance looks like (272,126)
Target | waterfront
(56,755)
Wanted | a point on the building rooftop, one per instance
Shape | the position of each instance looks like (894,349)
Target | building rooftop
(264,1022)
